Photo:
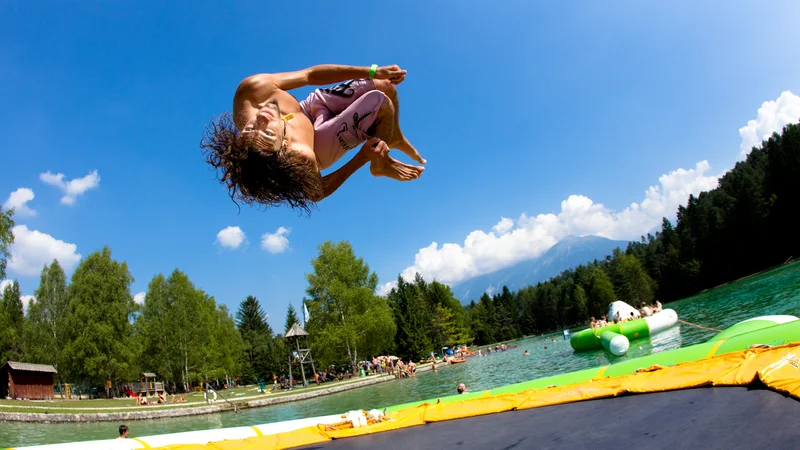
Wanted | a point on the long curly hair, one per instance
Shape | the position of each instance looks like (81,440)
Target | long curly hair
(255,176)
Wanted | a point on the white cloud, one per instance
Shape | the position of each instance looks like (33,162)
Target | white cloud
(4,284)
(510,242)
(503,226)
(384,289)
(231,237)
(139,298)
(18,200)
(276,242)
(530,236)
(72,188)
(33,249)
(772,117)
(26,302)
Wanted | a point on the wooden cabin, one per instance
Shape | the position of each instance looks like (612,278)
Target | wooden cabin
(19,380)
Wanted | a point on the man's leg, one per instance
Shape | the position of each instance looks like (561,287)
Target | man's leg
(399,141)
(370,115)
(322,104)
(384,129)
(384,126)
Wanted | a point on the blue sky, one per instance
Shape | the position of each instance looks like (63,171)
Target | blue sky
(516,106)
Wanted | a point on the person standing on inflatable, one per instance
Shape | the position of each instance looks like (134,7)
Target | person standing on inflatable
(274,148)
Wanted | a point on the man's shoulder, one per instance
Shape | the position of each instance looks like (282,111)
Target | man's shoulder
(257,86)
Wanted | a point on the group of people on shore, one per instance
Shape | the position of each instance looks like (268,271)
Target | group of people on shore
(323,376)
(379,365)
(161,398)
(285,382)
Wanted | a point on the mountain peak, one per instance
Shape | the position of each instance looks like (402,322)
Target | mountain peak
(579,242)
(567,253)
(572,239)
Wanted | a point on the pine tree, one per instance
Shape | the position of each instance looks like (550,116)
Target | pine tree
(11,323)
(6,238)
(291,318)
(261,356)
(601,294)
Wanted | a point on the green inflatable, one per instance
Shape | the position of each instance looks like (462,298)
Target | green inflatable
(615,337)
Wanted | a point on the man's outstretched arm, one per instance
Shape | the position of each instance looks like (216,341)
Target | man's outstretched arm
(332,181)
(321,75)
(324,74)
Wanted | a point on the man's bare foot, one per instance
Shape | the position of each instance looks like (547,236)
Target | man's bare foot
(387,166)
(406,147)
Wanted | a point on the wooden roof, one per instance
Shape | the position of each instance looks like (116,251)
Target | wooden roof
(296,331)
(29,367)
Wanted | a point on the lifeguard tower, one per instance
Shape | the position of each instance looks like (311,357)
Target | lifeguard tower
(298,354)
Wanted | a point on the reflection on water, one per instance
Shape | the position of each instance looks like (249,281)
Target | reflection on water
(775,292)
(669,339)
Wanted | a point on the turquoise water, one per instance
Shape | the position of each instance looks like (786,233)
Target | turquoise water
(774,292)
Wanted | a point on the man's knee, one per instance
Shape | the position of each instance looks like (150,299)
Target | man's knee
(387,108)
(383,127)
(387,87)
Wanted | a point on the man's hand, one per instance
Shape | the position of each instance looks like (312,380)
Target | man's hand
(374,149)
(392,73)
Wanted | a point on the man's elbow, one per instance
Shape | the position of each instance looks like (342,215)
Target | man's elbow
(316,198)
(321,192)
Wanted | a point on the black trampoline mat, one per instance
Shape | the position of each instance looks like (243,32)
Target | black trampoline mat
(702,418)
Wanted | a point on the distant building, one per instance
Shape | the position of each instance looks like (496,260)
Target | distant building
(147,386)
(20,380)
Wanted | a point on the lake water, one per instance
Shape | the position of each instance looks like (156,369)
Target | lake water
(774,292)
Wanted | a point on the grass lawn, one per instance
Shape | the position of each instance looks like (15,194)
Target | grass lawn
(195,399)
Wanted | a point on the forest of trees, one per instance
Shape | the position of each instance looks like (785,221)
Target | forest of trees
(92,330)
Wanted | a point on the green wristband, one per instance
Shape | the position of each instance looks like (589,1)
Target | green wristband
(373,70)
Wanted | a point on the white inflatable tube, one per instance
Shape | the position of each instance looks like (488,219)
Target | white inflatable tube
(666,318)
(615,343)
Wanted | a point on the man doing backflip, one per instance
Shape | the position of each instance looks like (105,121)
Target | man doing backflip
(275,147)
